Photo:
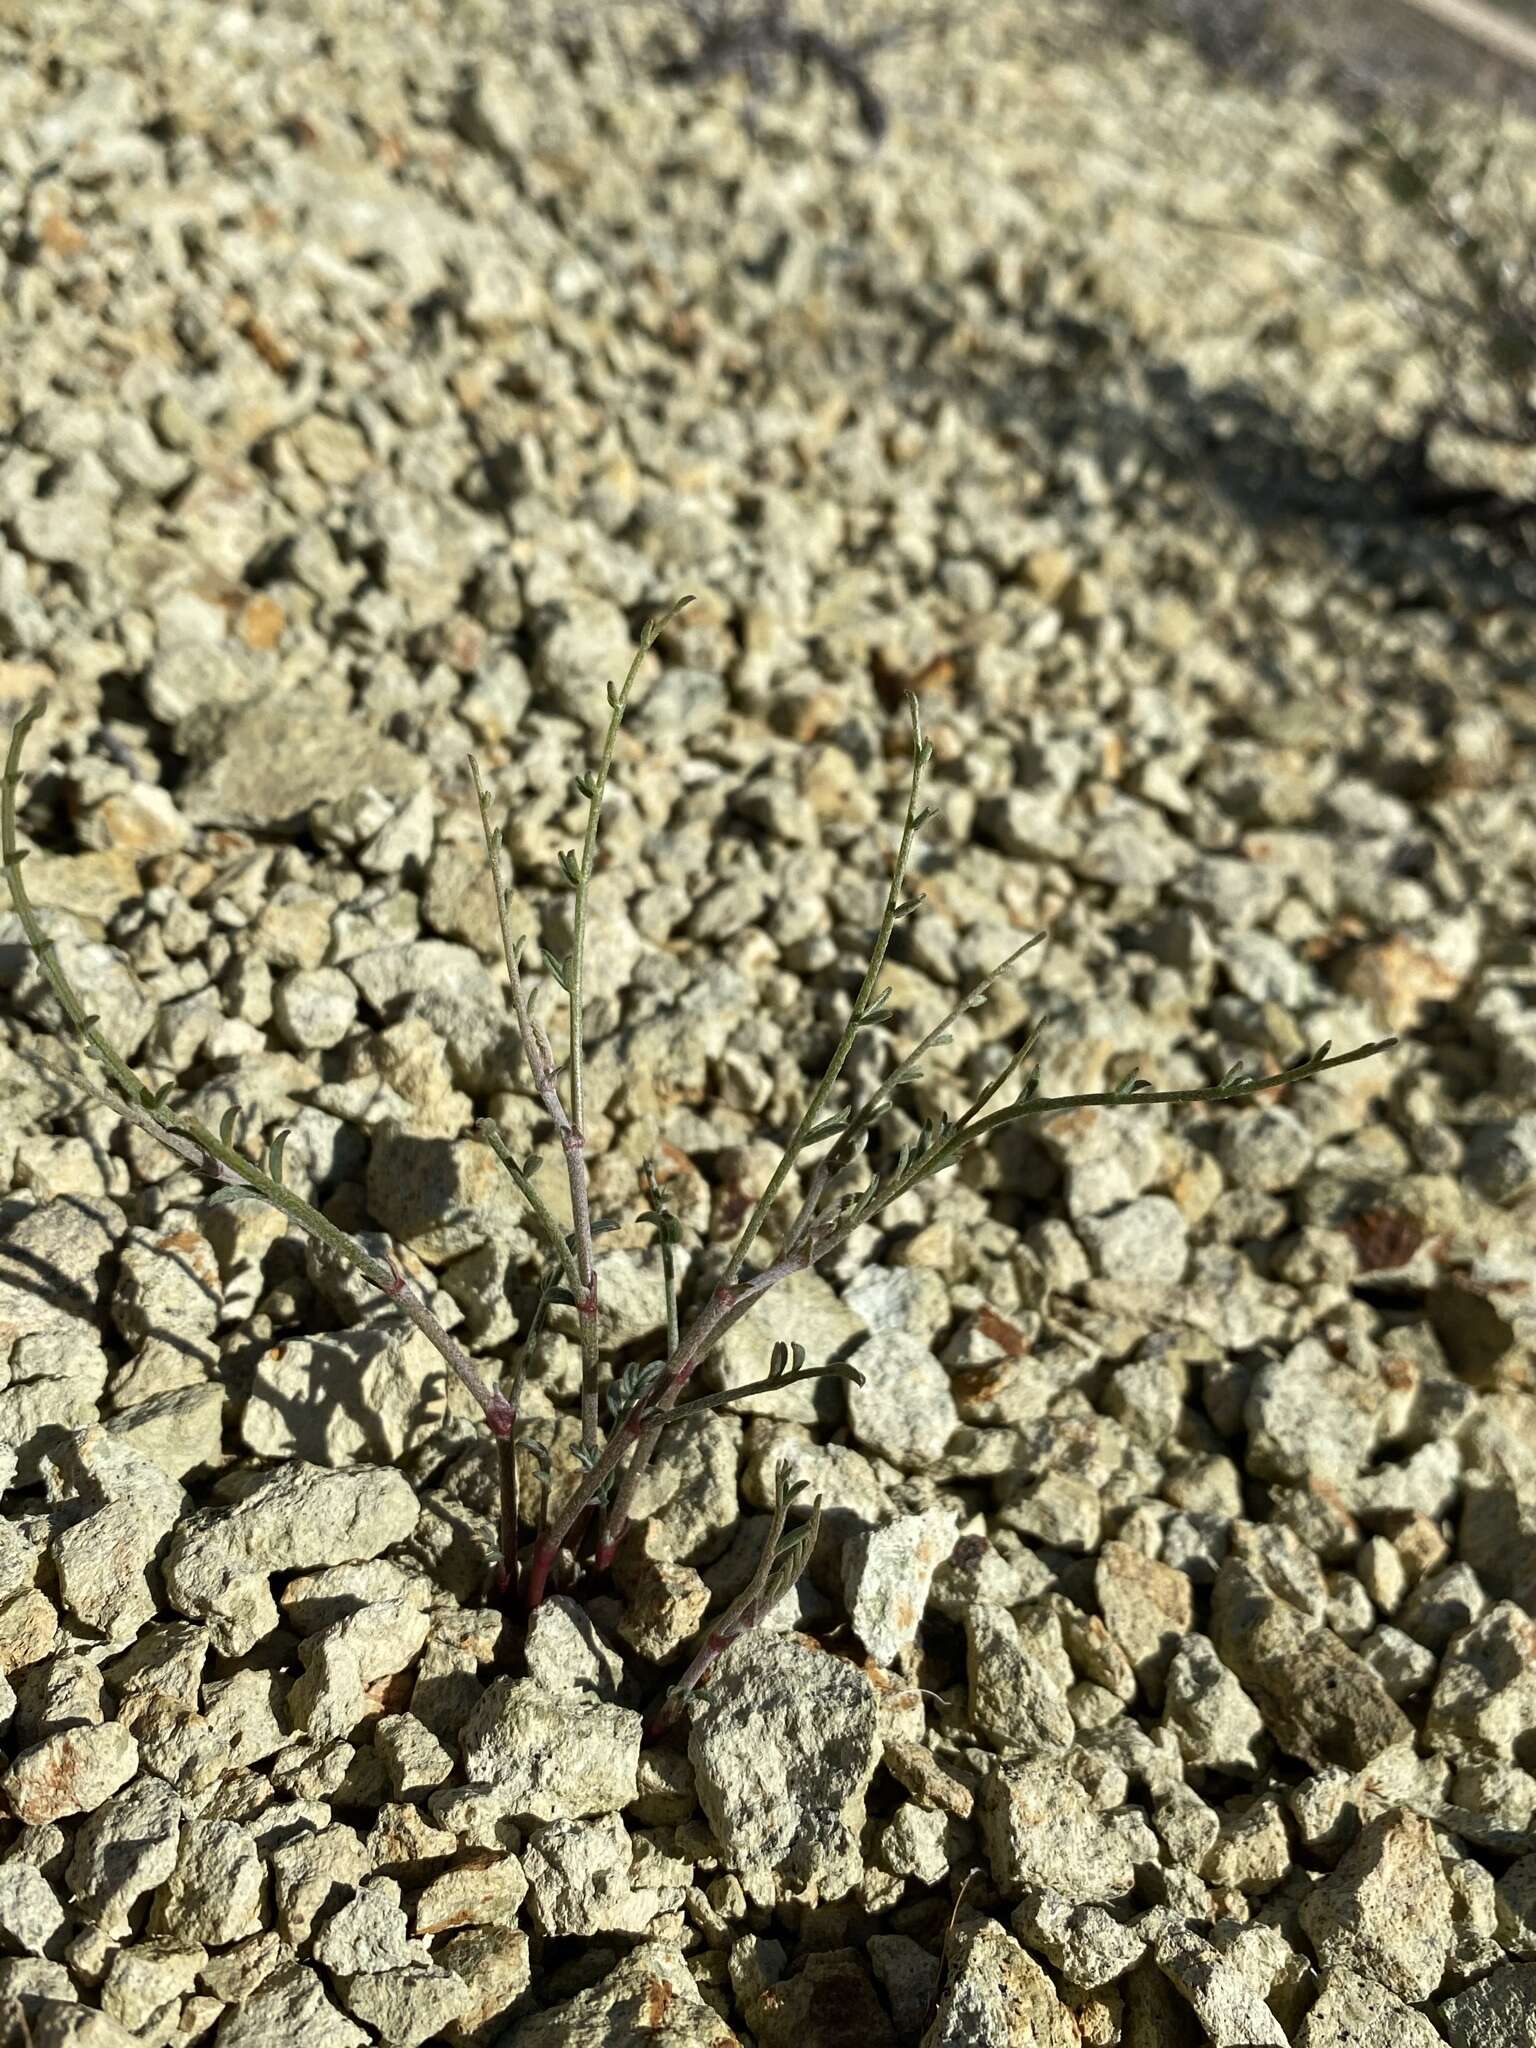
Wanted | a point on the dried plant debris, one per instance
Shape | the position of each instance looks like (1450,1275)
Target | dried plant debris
(954,1505)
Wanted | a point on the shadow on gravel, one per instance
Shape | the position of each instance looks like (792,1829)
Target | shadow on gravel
(1382,514)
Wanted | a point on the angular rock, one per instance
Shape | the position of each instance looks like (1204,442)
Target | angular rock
(1041,1831)
(1358,2012)
(1484,1703)
(408,2006)
(887,1573)
(566,1653)
(1495,2012)
(30,1913)
(1319,1700)
(367,1932)
(1314,1415)
(236,779)
(651,1987)
(127,1848)
(54,2025)
(1217,1726)
(1087,1944)
(1147,1607)
(309,1874)
(344,1663)
(581,1880)
(289,2006)
(485,1890)
(1143,1247)
(1385,1911)
(905,1411)
(784,1742)
(353,1397)
(493,1963)
(214,1893)
(1225,2003)
(551,1756)
(220,1561)
(1016,1704)
(75,1771)
(998,1996)
(146,1983)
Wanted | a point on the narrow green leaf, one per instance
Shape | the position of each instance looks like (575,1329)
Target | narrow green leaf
(827,1128)
(557,965)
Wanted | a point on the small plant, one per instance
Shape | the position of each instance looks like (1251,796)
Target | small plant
(1471,291)
(755,37)
(624,1415)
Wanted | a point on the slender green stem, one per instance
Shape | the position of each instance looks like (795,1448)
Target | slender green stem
(721,1312)
(865,1008)
(192,1141)
(541,1063)
(594,787)
(724,1309)
(782,1561)
(727,1397)
(554,1236)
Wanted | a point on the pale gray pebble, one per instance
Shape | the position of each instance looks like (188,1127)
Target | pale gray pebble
(566,1653)
(290,2005)
(887,1573)
(1495,2012)
(1085,1942)
(1017,1703)
(1484,1702)
(1041,1831)
(367,1932)
(408,2006)
(1144,1245)
(74,1771)
(30,1913)
(220,1562)
(1225,2003)
(905,1411)
(315,1007)
(1267,1149)
(1501,1159)
(1353,2011)
(215,1889)
(127,1848)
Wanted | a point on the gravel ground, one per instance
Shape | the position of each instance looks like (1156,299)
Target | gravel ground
(1167,1668)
